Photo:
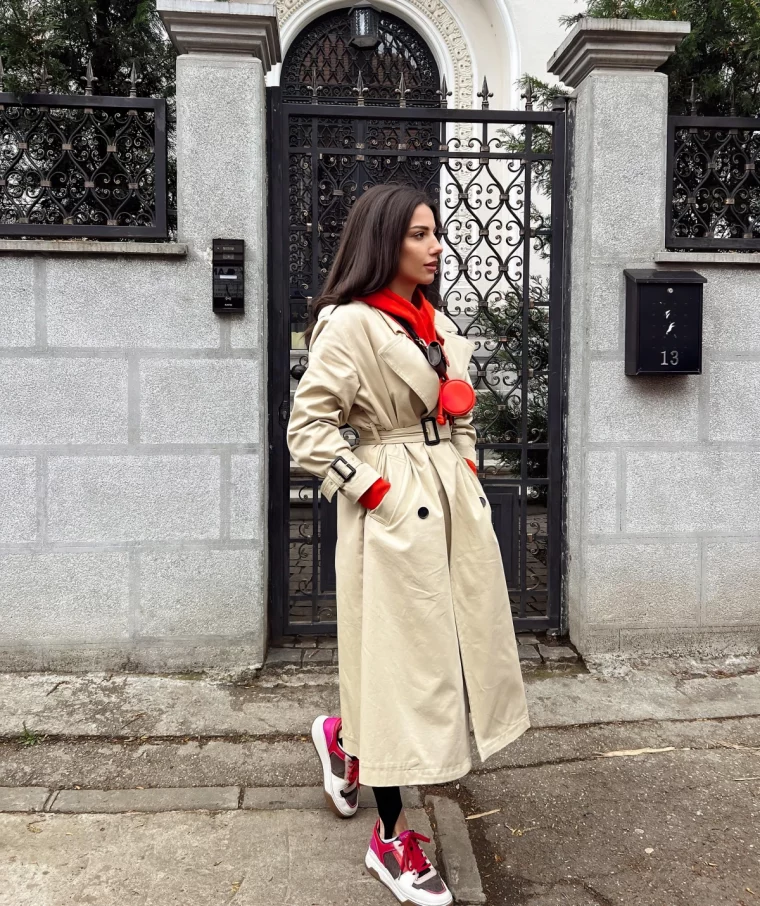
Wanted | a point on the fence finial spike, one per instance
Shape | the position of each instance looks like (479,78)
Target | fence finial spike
(314,88)
(732,108)
(2,71)
(402,91)
(528,94)
(485,94)
(133,81)
(44,79)
(89,78)
(443,93)
(693,98)
(360,90)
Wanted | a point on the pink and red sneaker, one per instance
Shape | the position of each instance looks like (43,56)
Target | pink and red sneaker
(404,868)
(339,769)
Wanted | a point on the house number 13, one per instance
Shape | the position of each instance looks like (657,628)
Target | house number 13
(673,357)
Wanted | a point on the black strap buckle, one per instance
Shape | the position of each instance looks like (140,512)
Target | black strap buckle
(431,419)
(335,468)
(434,353)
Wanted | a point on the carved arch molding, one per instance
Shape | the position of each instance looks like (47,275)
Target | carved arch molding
(439,17)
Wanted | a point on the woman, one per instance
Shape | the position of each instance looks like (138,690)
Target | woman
(424,624)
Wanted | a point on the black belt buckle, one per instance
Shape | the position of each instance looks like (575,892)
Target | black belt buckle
(426,433)
(351,469)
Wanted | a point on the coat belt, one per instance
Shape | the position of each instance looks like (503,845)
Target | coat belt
(412,434)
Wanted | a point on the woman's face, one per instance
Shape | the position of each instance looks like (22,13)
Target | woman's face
(420,250)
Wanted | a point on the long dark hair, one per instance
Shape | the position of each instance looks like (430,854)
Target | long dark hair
(370,246)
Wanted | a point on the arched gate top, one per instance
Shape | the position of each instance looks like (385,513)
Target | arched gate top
(322,55)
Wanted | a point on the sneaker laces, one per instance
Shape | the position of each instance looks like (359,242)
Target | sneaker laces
(414,858)
(352,770)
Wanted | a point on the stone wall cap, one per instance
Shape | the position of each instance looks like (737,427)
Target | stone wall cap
(91,247)
(233,27)
(619,44)
(740,259)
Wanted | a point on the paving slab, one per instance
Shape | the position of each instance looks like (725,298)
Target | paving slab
(284,656)
(131,705)
(311,797)
(322,656)
(249,858)
(154,800)
(136,706)
(527,638)
(639,695)
(23,799)
(529,656)
(106,764)
(558,654)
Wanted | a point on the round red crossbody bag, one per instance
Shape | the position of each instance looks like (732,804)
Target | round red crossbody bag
(457,397)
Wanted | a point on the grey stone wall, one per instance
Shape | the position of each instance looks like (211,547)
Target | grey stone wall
(663,473)
(133,434)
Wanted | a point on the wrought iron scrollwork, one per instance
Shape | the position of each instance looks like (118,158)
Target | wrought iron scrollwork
(714,185)
(323,61)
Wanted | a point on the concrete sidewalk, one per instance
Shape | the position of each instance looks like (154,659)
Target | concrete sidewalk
(153,790)
(190,857)
(284,702)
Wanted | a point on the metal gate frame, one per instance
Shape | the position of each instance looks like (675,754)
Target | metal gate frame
(279,114)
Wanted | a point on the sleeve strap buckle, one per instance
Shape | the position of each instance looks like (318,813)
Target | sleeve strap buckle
(344,470)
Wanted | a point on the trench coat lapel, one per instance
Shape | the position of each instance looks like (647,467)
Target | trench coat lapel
(406,360)
(459,351)
(409,364)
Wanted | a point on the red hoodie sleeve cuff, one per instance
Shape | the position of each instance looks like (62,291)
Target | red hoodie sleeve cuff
(472,465)
(375,493)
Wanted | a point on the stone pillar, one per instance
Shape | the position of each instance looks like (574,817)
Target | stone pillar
(617,582)
(225,51)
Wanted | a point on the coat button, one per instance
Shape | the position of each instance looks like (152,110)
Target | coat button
(423,512)
(483,500)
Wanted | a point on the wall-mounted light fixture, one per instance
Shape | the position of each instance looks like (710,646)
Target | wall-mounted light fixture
(365,24)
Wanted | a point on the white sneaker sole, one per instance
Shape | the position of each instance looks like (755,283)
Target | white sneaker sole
(318,738)
(376,868)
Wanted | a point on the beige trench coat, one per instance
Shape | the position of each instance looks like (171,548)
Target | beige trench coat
(415,621)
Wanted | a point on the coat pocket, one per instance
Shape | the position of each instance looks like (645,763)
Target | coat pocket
(396,470)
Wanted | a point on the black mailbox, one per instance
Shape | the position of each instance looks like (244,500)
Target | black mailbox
(663,322)
(228,282)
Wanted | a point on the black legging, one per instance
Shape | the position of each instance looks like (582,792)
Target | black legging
(388,799)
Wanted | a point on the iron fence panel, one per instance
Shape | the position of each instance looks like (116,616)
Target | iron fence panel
(84,166)
(713,184)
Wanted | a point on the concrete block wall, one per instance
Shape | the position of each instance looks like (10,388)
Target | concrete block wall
(133,433)
(663,487)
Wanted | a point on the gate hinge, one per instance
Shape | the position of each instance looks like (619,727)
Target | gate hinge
(284,412)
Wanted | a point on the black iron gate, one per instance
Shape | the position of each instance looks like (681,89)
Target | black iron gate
(498,177)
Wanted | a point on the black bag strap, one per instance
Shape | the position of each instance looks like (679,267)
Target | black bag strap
(408,328)
(421,345)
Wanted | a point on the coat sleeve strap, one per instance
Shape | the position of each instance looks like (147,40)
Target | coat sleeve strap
(322,403)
